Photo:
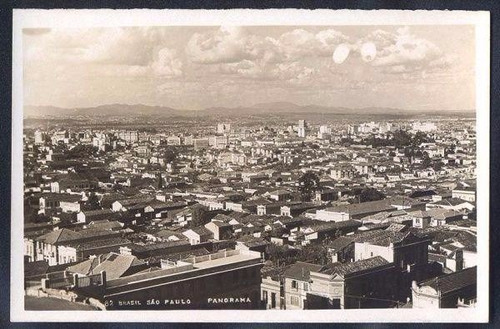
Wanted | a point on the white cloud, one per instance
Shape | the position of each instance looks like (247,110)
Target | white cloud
(201,67)
(301,43)
(237,52)
(121,52)
(167,63)
(225,45)
(402,51)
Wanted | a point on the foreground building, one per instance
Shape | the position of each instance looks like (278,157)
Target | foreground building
(368,283)
(228,279)
(453,290)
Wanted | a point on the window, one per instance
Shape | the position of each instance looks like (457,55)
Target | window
(306,286)
(371,254)
(294,284)
(294,300)
(273,300)
(264,296)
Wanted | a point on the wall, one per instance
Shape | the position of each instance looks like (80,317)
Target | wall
(29,249)
(46,252)
(70,206)
(268,288)
(326,286)
(297,294)
(232,289)
(66,254)
(470,259)
(329,216)
(366,250)
(424,298)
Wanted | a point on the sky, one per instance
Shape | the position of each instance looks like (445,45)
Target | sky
(196,67)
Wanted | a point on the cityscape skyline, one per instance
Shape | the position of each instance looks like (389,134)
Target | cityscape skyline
(413,67)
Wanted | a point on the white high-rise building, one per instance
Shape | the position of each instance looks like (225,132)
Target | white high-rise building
(223,128)
(39,137)
(324,132)
(302,129)
(325,129)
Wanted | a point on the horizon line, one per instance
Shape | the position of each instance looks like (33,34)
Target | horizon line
(251,106)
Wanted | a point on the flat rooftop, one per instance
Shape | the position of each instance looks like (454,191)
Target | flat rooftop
(231,257)
(189,265)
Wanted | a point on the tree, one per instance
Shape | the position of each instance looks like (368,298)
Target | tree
(449,150)
(160,181)
(93,202)
(426,162)
(402,138)
(315,253)
(199,216)
(280,255)
(421,137)
(170,155)
(81,151)
(437,166)
(370,194)
(308,184)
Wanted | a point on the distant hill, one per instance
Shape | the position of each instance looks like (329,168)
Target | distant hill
(104,110)
(287,107)
(257,109)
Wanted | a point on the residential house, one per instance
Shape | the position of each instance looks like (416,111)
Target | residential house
(115,265)
(220,230)
(87,216)
(63,245)
(446,291)
(402,249)
(198,235)
(353,211)
(296,284)
(64,202)
(465,193)
(367,283)
(452,204)
(280,195)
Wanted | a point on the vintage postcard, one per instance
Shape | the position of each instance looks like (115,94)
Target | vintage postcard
(179,165)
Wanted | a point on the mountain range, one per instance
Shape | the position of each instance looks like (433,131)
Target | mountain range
(260,108)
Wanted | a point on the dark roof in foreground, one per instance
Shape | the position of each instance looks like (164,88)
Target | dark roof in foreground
(343,269)
(300,270)
(453,281)
(363,208)
(340,243)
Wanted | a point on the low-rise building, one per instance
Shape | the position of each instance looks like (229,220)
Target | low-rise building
(228,279)
(198,235)
(446,291)
(367,283)
(296,284)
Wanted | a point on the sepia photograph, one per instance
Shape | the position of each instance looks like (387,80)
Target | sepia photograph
(250,161)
